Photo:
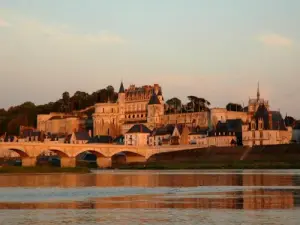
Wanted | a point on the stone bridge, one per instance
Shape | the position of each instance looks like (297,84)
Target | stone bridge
(104,152)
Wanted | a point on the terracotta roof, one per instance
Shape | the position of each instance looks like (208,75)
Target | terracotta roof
(139,128)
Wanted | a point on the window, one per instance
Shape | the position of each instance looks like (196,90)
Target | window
(112,110)
(102,109)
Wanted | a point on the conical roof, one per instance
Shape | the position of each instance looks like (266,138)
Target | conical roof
(154,99)
(121,90)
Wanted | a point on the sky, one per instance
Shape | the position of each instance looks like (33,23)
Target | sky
(216,49)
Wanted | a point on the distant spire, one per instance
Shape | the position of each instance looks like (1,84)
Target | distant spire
(121,90)
(258,92)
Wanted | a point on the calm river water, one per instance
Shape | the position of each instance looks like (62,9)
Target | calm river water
(152,197)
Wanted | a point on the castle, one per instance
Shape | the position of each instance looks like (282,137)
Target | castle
(143,105)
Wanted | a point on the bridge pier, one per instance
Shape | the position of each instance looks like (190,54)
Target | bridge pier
(29,161)
(68,162)
(104,162)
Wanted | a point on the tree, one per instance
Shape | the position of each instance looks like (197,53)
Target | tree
(174,105)
(234,107)
(197,104)
(289,121)
(66,102)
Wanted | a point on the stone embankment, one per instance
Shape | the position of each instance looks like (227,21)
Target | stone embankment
(272,153)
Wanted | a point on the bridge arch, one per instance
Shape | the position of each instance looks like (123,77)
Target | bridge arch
(97,153)
(59,152)
(127,156)
(19,151)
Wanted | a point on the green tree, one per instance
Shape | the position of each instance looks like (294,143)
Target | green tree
(197,104)
(174,105)
(234,107)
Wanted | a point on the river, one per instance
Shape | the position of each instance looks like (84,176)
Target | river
(152,197)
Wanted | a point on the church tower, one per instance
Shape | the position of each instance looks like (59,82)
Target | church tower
(155,110)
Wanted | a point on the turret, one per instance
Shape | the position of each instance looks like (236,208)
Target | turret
(121,101)
(155,110)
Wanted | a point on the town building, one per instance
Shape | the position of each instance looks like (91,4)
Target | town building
(61,123)
(138,135)
(166,135)
(80,137)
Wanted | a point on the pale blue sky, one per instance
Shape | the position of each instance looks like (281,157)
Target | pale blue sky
(217,49)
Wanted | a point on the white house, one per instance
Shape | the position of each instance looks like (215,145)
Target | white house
(137,135)
(168,134)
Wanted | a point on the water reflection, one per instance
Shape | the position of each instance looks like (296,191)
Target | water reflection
(150,190)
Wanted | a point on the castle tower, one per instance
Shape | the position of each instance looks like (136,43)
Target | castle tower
(155,110)
(121,102)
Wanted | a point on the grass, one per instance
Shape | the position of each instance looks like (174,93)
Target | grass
(42,169)
(214,165)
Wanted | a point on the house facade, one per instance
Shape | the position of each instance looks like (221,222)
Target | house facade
(138,135)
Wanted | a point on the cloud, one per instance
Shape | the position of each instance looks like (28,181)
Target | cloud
(67,34)
(3,23)
(275,40)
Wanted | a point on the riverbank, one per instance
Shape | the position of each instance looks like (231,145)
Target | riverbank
(211,165)
(42,169)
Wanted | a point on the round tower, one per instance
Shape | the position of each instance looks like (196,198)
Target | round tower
(155,110)
(121,102)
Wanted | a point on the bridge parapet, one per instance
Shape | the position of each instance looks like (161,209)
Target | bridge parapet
(104,152)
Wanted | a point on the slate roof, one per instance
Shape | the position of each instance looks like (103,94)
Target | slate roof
(154,100)
(262,113)
(121,90)
(100,139)
(139,128)
(198,131)
(119,140)
(165,130)
(82,136)
(277,121)
(228,126)
(234,125)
